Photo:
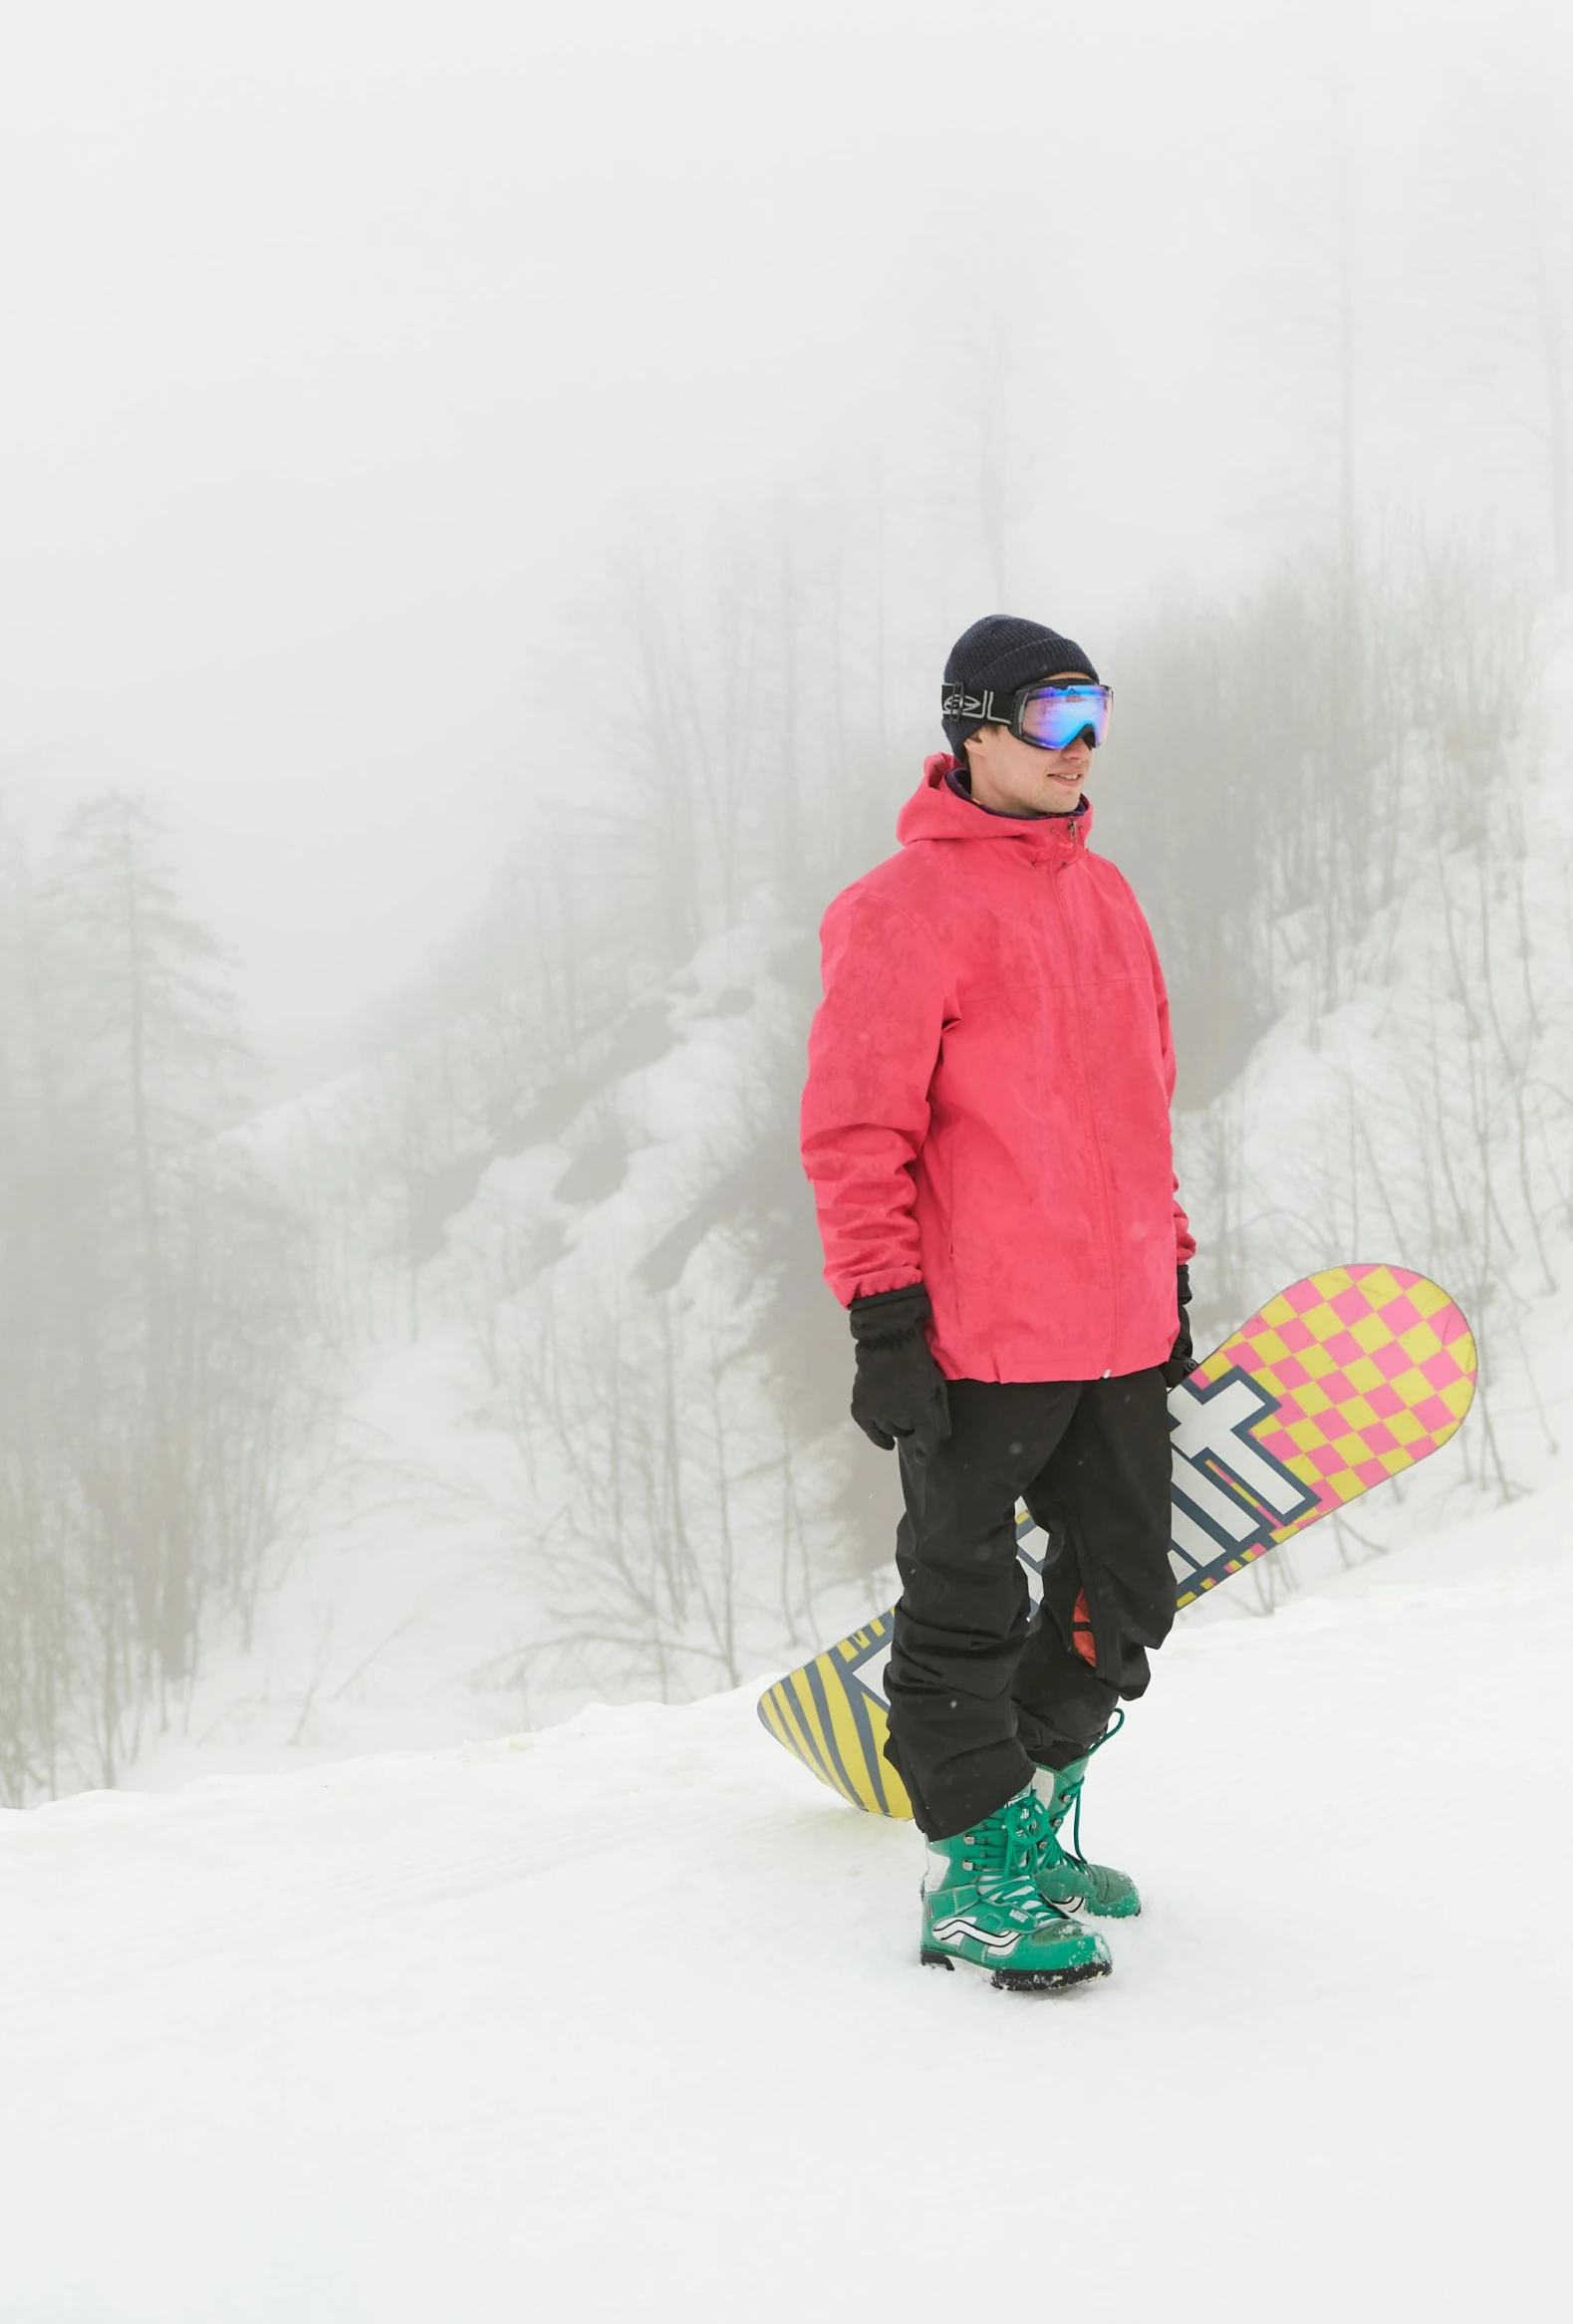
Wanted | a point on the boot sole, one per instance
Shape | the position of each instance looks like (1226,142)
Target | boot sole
(1020,1981)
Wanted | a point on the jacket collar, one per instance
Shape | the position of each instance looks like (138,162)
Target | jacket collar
(934,811)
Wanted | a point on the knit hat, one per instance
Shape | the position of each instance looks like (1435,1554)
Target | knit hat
(1001,653)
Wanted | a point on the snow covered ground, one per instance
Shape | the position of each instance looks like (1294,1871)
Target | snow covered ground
(626,2021)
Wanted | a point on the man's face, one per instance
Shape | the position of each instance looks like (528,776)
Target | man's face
(1017,778)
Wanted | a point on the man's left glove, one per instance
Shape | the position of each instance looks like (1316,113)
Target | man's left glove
(900,1391)
(1181,1356)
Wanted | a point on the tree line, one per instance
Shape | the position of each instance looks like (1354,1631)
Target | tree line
(154,1355)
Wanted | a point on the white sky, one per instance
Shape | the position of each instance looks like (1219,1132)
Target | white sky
(346,342)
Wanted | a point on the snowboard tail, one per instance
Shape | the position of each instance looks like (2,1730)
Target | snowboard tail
(1345,1379)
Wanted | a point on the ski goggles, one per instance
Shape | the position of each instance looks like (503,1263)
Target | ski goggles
(1049,717)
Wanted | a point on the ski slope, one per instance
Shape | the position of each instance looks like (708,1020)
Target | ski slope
(623,2022)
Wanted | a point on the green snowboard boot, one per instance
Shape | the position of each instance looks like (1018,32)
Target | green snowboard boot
(981,1905)
(1065,1878)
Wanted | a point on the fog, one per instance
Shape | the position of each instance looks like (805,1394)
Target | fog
(351,348)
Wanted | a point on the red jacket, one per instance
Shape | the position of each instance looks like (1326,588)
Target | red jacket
(987,1104)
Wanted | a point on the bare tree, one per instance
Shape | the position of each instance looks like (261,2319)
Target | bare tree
(150,1369)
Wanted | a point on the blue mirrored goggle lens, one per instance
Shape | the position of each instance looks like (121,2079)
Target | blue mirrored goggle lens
(1053,716)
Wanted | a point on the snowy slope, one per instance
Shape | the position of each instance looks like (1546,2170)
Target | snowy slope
(1427,1120)
(460,1496)
(626,2023)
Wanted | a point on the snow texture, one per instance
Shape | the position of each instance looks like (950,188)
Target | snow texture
(626,2020)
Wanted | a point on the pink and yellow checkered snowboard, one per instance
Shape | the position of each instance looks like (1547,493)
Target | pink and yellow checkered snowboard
(1338,1383)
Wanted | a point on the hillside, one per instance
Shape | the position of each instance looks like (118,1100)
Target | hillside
(596,1448)
(1429,1116)
(645,1229)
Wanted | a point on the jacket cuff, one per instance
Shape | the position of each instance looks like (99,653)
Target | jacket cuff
(886,1316)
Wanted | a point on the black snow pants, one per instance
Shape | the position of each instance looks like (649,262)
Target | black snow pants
(977,1697)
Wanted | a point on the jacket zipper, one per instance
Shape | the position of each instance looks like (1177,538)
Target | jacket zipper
(1055,871)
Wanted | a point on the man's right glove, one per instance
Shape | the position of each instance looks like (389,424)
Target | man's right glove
(900,1391)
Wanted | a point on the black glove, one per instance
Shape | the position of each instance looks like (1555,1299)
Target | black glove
(900,1391)
(1181,1356)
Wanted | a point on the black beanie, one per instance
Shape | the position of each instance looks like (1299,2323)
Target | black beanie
(1001,653)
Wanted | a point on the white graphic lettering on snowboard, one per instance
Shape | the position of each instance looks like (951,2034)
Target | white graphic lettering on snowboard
(1229,1496)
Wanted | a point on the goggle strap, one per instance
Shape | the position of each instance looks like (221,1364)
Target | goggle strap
(1000,709)
(957,703)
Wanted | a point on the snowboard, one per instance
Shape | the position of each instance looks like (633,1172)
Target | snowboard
(1347,1378)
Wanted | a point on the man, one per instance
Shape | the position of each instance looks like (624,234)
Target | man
(986,1128)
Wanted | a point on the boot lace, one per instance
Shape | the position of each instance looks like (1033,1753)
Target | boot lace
(1073,1797)
(1006,1852)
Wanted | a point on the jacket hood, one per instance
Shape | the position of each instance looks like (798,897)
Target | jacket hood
(936,812)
